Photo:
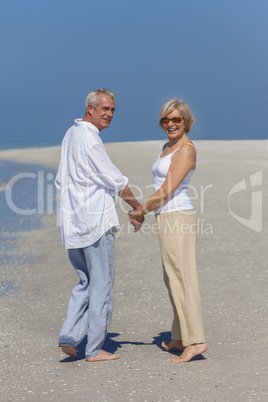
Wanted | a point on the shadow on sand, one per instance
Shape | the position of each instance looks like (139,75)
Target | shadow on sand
(112,346)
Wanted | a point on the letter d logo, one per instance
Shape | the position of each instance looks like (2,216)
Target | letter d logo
(255,221)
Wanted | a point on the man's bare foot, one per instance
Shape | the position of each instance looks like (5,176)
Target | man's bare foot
(69,350)
(172,344)
(102,356)
(189,352)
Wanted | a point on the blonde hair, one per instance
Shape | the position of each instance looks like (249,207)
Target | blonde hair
(184,110)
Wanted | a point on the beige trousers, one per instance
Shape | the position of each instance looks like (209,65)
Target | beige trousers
(177,237)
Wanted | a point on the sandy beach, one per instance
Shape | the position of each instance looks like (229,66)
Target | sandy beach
(228,190)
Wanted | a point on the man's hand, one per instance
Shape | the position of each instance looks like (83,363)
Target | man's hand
(136,218)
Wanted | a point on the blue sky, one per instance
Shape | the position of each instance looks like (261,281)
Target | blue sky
(212,54)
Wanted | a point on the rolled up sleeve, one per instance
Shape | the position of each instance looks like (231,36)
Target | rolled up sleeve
(103,172)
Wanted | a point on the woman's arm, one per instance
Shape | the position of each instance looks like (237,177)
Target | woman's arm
(183,161)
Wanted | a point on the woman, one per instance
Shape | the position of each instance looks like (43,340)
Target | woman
(176,219)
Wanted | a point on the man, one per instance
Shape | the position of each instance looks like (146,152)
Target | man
(89,181)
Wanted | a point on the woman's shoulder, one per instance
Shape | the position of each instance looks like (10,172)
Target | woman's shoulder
(188,147)
(187,151)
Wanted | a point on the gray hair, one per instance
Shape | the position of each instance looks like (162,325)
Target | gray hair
(184,110)
(92,98)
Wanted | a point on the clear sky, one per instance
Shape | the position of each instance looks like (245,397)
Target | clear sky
(212,54)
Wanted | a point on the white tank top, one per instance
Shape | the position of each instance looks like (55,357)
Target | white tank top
(179,200)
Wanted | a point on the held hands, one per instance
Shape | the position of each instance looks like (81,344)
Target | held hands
(136,218)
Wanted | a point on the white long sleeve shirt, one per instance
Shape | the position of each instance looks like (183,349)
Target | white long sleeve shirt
(88,182)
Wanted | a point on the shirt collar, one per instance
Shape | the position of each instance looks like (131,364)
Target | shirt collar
(80,122)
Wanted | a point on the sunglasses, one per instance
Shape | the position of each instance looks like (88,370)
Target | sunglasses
(165,120)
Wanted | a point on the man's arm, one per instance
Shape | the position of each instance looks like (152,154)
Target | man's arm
(127,195)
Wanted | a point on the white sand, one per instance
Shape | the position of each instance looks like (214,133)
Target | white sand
(232,264)
(48,156)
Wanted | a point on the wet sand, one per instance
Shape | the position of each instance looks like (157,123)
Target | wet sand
(232,266)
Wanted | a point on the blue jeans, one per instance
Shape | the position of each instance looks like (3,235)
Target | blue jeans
(91,304)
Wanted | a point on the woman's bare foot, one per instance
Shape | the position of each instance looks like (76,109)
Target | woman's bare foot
(102,356)
(69,350)
(172,344)
(189,352)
